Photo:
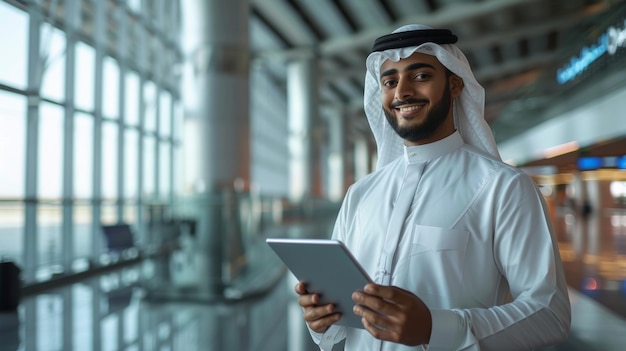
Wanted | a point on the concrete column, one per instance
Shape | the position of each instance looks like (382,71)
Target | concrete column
(100,36)
(302,109)
(336,142)
(72,23)
(221,63)
(30,256)
(216,98)
(361,158)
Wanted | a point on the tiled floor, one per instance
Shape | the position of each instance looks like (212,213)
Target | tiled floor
(148,306)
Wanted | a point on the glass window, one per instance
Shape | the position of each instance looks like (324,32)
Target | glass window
(110,146)
(165,114)
(150,103)
(83,156)
(178,180)
(50,158)
(49,244)
(14,56)
(82,230)
(177,130)
(108,213)
(149,165)
(165,168)
(131,213)
(131,116)
(84,71)
(131,163)
(111,88)
(12,230)
(53,68)
(178,122)
(12,137)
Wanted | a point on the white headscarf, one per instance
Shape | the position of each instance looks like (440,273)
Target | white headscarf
(468,108)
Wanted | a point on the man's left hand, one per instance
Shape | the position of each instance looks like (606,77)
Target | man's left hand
(393,314)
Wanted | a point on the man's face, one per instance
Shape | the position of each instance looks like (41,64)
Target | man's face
(417,98)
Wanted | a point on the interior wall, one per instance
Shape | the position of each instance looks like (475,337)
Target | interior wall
(601,119)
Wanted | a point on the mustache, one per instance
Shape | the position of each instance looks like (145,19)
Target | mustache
(399,103)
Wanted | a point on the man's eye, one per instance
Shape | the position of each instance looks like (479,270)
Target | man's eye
(421,76)
(390,83)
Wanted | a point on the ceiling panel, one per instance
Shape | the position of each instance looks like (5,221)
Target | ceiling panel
(401,8)
(327,18)
(512,45)
(285,21)
(366,13)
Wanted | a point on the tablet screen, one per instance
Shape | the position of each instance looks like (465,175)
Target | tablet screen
(328,268)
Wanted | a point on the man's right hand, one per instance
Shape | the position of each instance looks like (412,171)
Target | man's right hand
(318,318)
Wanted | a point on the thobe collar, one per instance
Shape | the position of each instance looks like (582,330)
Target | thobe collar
(421,153)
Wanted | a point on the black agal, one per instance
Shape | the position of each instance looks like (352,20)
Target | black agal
(414,38)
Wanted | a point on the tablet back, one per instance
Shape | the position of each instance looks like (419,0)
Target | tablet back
(328,268)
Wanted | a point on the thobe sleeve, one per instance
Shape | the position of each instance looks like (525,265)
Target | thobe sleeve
(526,254)
(330,337)
(334,334)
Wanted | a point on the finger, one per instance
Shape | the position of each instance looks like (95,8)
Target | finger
(390,293)
(300,288)
(321,324)
(380,326)
(306,300)
(374,303)
(314,313)
(375,319)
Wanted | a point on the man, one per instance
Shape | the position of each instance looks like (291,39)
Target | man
(459,244)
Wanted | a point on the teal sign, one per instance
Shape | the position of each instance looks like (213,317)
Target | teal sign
(608,43)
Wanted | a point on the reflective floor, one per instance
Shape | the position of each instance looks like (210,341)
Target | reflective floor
(164,305)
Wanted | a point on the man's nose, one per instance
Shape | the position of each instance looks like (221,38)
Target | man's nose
(403,90)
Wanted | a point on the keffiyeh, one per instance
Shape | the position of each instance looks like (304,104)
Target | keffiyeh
(468,108)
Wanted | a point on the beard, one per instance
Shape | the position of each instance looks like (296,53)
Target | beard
(434,119)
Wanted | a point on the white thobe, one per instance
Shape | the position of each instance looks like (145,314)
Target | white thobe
(473,241)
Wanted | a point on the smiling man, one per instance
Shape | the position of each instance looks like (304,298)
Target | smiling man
(459,244)
(419,109)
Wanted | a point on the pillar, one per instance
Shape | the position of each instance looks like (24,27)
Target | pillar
(335,167)
(302,110)
(216,99)
(361,158)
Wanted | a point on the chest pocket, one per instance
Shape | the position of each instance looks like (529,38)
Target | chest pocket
(430,263)
(425,238)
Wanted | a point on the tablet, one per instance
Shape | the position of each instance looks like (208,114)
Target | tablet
(328,268)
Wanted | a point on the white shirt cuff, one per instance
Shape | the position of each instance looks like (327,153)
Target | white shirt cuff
(447,330)
(326,340)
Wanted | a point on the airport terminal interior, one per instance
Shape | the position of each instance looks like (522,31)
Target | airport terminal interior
(148,148)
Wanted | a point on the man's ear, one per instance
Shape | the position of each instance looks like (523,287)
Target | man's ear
(456,85)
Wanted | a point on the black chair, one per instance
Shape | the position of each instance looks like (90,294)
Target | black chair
(118,237)
(10,286)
